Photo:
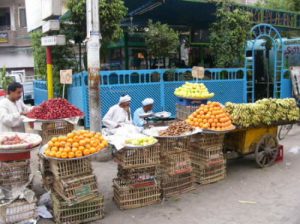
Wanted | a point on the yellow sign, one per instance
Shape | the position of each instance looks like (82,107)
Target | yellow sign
(3,37)
(66,76)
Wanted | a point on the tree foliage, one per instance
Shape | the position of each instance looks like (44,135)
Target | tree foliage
(290,5)
(161,40)
(111,13)
(63,58)
(4,80)
(228,36)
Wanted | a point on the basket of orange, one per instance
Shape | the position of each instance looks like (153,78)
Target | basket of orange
(75,145)
(211,117)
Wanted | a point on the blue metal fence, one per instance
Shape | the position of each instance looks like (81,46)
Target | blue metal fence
(227,84)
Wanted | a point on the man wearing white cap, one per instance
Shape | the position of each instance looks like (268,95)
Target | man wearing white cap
(118,114)
(139,114)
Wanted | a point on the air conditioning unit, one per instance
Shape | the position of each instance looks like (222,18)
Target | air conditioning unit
(51,9)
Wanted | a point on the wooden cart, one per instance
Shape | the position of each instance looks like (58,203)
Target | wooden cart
(259,140)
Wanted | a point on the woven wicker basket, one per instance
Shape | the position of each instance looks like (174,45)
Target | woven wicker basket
(128,197)
(17,211)
(84,212)
(176,185)
(174,145)
(177,163)
(209,153)
(77,189)
(209,173)
(137,174)
(54,129)
(205,140)
(70,168)
(130,158)
(14,173)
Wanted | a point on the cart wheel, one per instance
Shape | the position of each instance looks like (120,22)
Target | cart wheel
(266,151)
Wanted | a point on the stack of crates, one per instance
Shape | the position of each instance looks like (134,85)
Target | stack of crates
(15,173)
(209,164)
(175,172)
(136,185)
(48,131)
(75,194)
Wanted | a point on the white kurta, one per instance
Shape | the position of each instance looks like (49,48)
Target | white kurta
(115,116)
(10,115)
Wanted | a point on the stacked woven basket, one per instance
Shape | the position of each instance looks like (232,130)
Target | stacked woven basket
(136,185)
(207,158)
(175,173)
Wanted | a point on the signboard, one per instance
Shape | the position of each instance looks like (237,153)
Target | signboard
(51,25)
(66,76)
(295,76)
(3,37)
(53,40)
(51,8)
(198,72)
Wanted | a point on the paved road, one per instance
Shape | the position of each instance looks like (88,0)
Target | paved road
(274,192)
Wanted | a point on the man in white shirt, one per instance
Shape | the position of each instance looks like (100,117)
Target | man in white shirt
(138,118)
(118,114)
(12,108)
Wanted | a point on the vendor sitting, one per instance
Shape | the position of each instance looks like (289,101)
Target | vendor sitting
(118,114)
(139,114)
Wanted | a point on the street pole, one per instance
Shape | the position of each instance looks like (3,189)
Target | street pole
(93,57)
(49,72)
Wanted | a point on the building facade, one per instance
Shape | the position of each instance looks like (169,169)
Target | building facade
(15,43)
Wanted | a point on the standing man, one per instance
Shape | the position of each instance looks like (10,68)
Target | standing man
(138,117)
(118,114)
(12,108)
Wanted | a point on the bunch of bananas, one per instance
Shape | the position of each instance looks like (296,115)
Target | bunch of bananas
(263,112)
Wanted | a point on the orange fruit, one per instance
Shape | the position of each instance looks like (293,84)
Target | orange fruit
(71,155)
(50,143)
(78,154)
(52,154)
(62,143)
(64,155)
(93,150)
(70,135)
(75,144)
(58,154)
(86,152)
(57,144)
(82,142)
(54,149)
(54,139)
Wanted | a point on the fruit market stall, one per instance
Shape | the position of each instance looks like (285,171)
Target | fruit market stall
(74,189)
(18,201)
(257,127)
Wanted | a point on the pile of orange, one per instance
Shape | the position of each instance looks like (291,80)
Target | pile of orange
(75,145)
(212,117)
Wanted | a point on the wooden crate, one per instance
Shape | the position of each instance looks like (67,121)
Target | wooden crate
(14,173)
(206,174)
(17,211)
(77,189)
(137,174)
(54,129)
(209,153)
(176,185)
(128,197)
(174,145)
(205,140)
(177,163)
(130,158)
(85,212)
(183,112)
(70,168)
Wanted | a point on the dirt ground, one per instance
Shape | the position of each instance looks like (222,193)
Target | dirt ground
(248,195)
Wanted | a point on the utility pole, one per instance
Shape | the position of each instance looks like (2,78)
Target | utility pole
(93,57)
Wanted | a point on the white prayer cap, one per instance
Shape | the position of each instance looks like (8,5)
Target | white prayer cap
(147,101)
(124,99)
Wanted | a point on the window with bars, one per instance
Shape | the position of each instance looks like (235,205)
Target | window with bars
(4,19)
(22,18)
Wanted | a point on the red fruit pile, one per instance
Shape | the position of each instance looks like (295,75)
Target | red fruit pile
(55,109)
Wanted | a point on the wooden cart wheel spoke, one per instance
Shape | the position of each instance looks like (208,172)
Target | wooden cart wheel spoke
(266,151)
